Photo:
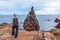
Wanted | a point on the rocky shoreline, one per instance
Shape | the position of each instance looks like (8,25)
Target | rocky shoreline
(5,34)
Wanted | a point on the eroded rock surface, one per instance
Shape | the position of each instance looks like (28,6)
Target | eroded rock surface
(5,34)
(25,35)
(56,33)
(31,22)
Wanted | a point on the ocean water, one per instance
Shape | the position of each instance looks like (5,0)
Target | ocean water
(46,22)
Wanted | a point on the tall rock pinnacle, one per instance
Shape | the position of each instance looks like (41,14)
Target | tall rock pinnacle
(31,22)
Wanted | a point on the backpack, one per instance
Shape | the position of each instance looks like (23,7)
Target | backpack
(15,21)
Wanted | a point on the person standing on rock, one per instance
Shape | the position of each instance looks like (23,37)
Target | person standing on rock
(15,26)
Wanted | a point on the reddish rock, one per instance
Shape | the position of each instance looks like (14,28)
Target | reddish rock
(57,21)
(31,22)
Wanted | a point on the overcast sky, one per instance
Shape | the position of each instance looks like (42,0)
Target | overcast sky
(22,7)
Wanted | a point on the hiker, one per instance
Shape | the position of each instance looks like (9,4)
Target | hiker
(15,26)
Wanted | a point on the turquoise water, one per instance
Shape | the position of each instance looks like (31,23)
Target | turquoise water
(44,22)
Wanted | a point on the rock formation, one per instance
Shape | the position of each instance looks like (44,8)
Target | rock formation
(5,27)
(31,22)
(57,21)
(25,35)
(31,35)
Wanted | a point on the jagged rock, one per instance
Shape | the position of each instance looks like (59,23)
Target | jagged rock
(31,22)
(58,21)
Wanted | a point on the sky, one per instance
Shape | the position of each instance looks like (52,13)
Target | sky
(22,7)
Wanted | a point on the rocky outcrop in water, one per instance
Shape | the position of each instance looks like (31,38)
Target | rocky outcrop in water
(57,21)
(31,22)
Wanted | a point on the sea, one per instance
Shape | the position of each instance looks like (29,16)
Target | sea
(46,22)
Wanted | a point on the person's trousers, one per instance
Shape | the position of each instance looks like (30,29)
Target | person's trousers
(15,31)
